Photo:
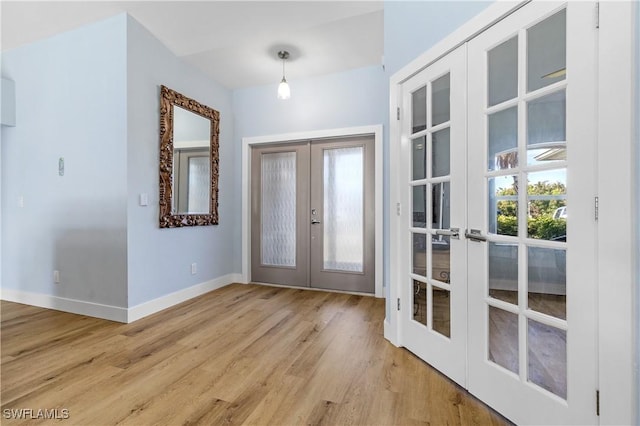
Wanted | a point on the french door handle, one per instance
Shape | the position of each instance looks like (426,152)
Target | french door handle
(453,232)
(315,221)
(475,235)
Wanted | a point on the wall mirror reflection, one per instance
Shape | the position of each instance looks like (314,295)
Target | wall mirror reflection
(189,162)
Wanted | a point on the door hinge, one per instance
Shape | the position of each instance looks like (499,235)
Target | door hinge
(597,403)
(398,113)
(598,15)
(596,207)
(398,209)
(398,303)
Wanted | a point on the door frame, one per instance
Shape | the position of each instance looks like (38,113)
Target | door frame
(248,142)
(617,252)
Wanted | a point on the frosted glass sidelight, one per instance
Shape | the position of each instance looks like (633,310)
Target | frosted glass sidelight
(278,238)
(199,185)
(344,209)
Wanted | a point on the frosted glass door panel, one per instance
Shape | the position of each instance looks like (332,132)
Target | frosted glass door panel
(199,185)
(344,209)
(279,209)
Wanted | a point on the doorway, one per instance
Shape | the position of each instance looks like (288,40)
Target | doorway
(497,247)
(316,229)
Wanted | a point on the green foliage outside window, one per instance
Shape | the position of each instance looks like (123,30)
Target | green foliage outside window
(540,221)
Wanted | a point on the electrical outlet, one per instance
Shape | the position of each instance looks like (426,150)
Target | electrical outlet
(56,277)
(194,268)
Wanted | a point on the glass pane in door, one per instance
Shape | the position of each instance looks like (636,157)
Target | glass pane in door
(419,158)
(503,205)
(547,205)
(503,338)
(547,357)
(441,308)
(419,110)
(440,205)
(503,72)
(503,139)
(441,258)
(440,90)
(547,51)
(503,272)
(344,209)
(546,129)
(420,302)
(547,281)
(419,202)
(440,153)
(278,195)
(199,185)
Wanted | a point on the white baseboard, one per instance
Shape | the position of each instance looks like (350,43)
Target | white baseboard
(81,307)
(152,306)
(116,313)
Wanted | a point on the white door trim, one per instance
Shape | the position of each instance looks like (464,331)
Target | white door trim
(617,245)
(247,142)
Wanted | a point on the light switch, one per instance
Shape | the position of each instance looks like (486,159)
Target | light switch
(61,166)
(144,199)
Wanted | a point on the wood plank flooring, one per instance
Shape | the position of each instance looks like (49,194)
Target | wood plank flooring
(243,354)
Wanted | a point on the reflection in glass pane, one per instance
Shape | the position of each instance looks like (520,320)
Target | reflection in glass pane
(441,258)
(420,254)
(419,110)
(503,205)
(503,72)
(199,184)
(420,206)
(344,209)
(503,272)
(440,100)
(441,310)
(546,129)
(503,338)
(546,203)
(278,202)
(503,139)
(440,147)
(547,357)
(419,157)
(441,205)
(547,281)
(547,51)
(420,302)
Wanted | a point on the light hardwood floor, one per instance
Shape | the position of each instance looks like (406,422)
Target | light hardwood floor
(244,354)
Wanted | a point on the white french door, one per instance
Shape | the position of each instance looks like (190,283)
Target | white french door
(519,182)
(434,152)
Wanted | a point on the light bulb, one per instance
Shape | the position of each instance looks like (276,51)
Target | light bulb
(284,92)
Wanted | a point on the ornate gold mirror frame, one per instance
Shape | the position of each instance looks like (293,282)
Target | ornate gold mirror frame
(169,217)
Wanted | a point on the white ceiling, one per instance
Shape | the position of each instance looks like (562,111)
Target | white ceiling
(234,42)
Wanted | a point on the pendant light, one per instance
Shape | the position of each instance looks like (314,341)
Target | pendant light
(284,92)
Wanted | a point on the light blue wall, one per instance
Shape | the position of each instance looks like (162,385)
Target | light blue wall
(413,27)
(71,103)
(346,99)
(160,259)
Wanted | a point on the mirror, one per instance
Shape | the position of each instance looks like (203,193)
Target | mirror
(189,162)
